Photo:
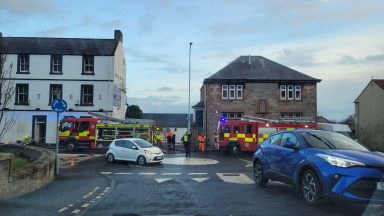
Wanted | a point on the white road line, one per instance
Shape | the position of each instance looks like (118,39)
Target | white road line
(200,179)
(98,197)
(76,211)
(63,209)
(170,173)
(161,180)
(70,205)
(92,201)
(197,173)
(123,173)
(105,173)
(237,178)
(249,163)
(147,173)
(85,205)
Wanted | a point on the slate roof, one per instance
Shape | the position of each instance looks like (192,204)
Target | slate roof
(200,104)
(58,46)
(258,69)
(379,82)
(173,120)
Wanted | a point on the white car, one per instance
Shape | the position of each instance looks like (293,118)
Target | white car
(134,149)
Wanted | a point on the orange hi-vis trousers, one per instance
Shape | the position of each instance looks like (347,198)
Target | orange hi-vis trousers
(202,146)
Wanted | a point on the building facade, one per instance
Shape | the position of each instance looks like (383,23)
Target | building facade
(256,86)
(89,74)
(369,115)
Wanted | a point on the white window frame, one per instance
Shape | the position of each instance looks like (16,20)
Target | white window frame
(239,92)
(24,64)
(56,64)
(231,116)
(232,91)
(298,90)
(290,90)
(224,88)
(283,89)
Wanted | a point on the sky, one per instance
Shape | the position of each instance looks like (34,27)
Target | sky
(340,42)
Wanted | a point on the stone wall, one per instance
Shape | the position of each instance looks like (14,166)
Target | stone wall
(35,175)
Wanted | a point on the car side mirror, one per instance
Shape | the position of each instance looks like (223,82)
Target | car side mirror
(289,144)
(135,148)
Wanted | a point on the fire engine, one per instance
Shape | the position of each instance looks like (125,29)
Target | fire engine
(246,134)
(88,132)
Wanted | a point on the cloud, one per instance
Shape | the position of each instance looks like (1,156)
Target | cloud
(302,57)
(146,23)
(94,21)
(21,7)
(347,59)
(165,88)
(54,31)
(154,104)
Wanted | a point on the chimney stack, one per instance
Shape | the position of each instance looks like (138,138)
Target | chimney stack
(1,34)
(118,36)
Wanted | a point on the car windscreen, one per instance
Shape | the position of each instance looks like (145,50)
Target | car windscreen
(143,143)
(330,140)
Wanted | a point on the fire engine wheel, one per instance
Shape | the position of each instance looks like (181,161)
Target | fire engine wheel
(110,158)
(71,146)
(234,148)
(258,174)
(141,160)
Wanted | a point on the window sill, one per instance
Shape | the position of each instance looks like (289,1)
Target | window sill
(22,72)
(87,73)
(85,104)
(22,104)
(53,73)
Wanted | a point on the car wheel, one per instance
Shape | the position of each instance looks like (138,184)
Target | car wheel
(310,187)
(71,146)
(110,158)
(258,174)
(234,148)
(141,160)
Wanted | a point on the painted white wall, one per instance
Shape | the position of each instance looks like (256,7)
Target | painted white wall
(120,81)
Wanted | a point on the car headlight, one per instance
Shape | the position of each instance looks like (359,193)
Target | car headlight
(148,152)
(340,162)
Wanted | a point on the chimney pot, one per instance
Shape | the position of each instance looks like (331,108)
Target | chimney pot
(118,36)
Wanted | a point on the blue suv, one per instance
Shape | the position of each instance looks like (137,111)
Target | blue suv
(319,164)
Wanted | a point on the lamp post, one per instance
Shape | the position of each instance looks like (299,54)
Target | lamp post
(189,89)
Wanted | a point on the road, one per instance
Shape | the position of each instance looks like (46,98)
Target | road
(205,184)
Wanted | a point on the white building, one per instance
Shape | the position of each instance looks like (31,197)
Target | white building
(89,74)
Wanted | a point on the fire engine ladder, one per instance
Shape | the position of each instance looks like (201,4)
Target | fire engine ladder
(281,120)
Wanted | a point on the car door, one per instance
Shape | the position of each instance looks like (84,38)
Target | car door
(118,149)
(287,159)
(269,148)
(131,151)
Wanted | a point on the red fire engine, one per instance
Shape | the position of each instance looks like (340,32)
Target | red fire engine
(246,134)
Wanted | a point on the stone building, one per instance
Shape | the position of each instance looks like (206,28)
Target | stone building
(255,86)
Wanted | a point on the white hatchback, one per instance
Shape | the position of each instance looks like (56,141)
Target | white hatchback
(134,149)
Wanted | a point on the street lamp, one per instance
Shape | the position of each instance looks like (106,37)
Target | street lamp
(189,89)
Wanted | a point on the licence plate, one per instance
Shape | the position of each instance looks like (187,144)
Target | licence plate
(380,185)
(161,157)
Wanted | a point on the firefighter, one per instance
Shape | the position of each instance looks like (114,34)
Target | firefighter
(158,137)
(186,139)
(201,141)
(169,139)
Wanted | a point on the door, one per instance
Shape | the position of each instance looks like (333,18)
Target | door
(39,125)
(131,151)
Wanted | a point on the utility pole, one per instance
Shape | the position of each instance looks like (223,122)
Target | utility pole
(189,89)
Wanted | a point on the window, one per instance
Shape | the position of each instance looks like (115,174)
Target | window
(84,126)
(248,129)
(56,64)
(55,92)
(291,115)
(236,129)
(290,92)
(232,115)
(275,139)
(128,144)
(23,64)
(239,92)
(119,143)
(239,115)
(289,137)
(232,91)
(297,92)
(262,106)
(86,95)
(22,94)
(88,65)
(224,91)
(283,92)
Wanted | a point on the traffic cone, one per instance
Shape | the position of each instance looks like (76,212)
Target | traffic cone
(72,162)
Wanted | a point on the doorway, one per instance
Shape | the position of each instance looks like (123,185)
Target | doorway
(39,125)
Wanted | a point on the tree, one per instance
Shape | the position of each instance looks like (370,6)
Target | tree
(134,111)
(7,89)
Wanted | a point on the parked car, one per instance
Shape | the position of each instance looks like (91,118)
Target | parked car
(321,164)
(338,128)
(134,149)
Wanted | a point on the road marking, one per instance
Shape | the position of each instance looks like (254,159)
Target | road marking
(189,161)
(170,173)
(63,209)
(123,173)
(200,179)
(161,180)
(197,173)
(249,163)
(70,205)
(92,201)
(76,211)
(147,173)
(98,197)
(237,178)
(105,173)
(85,205)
